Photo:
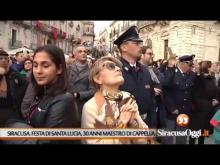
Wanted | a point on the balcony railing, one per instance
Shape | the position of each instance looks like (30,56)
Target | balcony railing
(27,24)
(88,33)
(16,44)
(47,29)
(33,46)
(18,22)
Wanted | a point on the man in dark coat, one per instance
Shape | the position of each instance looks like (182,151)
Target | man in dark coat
(157,115)
(12,90)
(138,81)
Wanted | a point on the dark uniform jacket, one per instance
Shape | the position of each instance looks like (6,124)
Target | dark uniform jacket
(178,91)
(138,82)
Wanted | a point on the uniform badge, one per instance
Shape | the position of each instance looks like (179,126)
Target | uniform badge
(16,81)
(126,68)
(147,86)
(41,110)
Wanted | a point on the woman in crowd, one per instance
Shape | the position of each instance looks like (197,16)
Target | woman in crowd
(205,96)
(53,107)
(49,79)
(90,60)
(110,108)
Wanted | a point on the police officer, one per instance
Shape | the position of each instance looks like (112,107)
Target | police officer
(178,94)
(137,78)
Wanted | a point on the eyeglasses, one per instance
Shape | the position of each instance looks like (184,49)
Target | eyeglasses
(27,63)
(151,54)
(110,66)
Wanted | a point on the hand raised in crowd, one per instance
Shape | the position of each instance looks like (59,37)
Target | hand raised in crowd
(172,62)
(176,111)
(157,91)
(214,102)
(127,110)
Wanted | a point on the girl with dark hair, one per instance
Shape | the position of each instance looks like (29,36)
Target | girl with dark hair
(53,106)
(49,79)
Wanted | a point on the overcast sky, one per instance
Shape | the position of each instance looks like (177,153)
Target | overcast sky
(99,25)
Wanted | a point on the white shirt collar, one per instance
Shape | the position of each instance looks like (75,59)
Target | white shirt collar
(133,65)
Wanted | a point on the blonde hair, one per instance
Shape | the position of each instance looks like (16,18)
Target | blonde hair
(96,68)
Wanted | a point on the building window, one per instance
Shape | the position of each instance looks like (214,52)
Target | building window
(48,41)
(13,36)
(177,33)
(193,30)
(118,28)
(78,28)
(219,55)
(88,29)
(66,46)
(166,48)
(47,23)
(210,30)
(71,24)
(149,43)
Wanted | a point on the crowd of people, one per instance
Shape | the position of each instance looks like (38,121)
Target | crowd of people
(91,89)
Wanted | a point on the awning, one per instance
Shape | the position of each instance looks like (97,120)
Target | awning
(23,49)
